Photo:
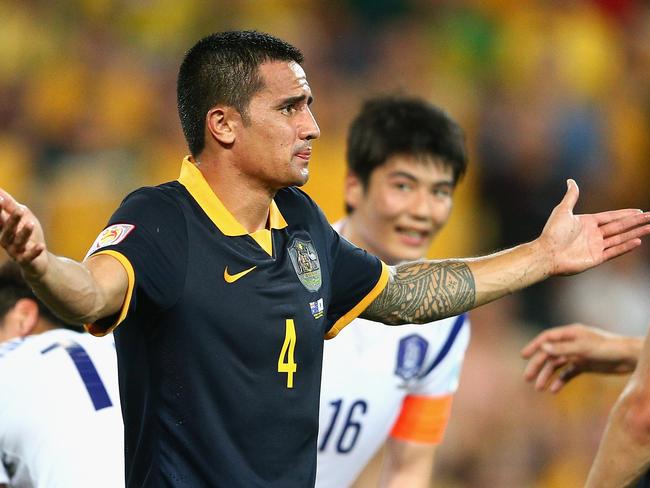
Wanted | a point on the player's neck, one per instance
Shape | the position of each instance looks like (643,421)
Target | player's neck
(245,200)
(352,231)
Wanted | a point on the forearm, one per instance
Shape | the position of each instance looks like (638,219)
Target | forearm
(423,291)
(628,350)
(508,271)
(624,452)
(407,464)
(70,290)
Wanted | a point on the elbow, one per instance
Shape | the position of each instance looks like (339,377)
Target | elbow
(635,415)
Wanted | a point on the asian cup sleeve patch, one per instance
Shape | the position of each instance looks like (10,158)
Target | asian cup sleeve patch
(111,235)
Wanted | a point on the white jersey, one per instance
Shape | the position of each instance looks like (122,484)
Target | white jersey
(60,419)
(380,381)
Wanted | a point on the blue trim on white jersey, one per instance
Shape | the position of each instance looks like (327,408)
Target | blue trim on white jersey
(446,347)
(10,345)
(87,371)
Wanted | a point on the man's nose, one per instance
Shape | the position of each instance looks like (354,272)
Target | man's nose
(309,128)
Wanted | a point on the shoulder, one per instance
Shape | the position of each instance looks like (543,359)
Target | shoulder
(167,194)
(26,348)
(293,193)
(8,347)
(293,201)
(153,207)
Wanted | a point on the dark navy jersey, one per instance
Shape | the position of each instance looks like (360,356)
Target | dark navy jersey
(220,338)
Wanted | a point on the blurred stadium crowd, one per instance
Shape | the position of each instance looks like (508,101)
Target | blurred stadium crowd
(545,89)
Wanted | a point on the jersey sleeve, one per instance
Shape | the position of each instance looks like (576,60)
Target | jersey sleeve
(148,236)
(426,410)
(358,278)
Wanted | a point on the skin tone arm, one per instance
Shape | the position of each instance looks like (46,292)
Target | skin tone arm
(624,452)
(407,464)
(77,292)
(557,355)
(398,464)
(416,293)
(424,291)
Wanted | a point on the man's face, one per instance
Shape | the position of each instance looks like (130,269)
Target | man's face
(275,147)
(404,205)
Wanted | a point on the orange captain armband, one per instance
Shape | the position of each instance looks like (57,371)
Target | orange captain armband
(423,419)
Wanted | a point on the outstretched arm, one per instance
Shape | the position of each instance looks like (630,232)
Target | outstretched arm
(424,291)
(624,452)
(407,464)
(557,355)
(77,292)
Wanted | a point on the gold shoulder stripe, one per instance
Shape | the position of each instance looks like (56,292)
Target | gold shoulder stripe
(361,306)
(98,330)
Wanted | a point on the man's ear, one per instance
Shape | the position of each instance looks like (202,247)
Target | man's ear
(221,122)
(354,190)
(26,316)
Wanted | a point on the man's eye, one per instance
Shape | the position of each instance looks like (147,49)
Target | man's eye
(403,186)
(288,110)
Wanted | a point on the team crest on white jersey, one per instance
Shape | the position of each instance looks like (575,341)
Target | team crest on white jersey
(410,356)
(306,264)
(111,235)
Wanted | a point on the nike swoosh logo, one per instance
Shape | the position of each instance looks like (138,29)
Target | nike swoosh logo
(232,278)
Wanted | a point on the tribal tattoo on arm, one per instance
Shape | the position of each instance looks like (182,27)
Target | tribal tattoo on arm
(424,291)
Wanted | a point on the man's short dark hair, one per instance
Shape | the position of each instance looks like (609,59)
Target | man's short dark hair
(391,125)
(223,68)
(13,288)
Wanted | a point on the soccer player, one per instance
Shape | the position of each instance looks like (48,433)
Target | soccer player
(221,285)
(382,384)
(558,355)
(60,420)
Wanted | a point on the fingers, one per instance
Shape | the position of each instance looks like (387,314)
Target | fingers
(571,196)
(31,252)
(631,235)
(9,226)
(541,369)
(16,229)
(529,349)
(22,236)
(638,222)
(550,373)
(620,249)
(535,365)
(565,375)
(610,215)
(4,196)
(555,334)
(547,372)
(624,234)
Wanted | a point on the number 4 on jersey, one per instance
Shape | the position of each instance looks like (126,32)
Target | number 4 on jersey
(286,363)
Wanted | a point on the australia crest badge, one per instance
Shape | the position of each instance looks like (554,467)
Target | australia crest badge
(306,264)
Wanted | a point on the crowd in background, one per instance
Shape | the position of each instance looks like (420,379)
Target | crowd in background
(545,90)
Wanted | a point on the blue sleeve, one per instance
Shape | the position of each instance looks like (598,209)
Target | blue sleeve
(148,235)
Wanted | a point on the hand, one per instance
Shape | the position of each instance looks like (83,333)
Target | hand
(567,351)
(580,242)
(21,236)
